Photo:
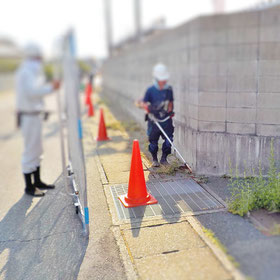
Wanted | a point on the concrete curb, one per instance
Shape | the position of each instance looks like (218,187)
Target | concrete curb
(127,258)
(124,249)
(221,256)
(102,173)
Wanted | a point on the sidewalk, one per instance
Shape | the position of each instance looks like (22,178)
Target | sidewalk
(159,247)
(40,238)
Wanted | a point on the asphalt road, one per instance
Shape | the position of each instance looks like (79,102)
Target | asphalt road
(257,254)
(41,238)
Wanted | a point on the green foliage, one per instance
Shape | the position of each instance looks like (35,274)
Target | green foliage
(84,67)
(211,235)
(250,193)
(8,65)
(52,70)
(48,69)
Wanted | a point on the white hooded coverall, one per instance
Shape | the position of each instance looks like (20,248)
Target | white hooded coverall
(30,90)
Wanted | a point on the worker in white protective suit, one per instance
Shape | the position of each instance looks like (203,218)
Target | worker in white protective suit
(31,89)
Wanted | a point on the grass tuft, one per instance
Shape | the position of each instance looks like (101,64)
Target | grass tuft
(211,235)
(169,169)
(115,126)
(255,192)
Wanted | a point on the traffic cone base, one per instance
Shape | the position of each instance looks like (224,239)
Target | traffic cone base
(137,194)
(102,138)
(127,203)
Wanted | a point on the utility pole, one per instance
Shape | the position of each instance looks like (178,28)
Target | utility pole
(108,25)
(137,16)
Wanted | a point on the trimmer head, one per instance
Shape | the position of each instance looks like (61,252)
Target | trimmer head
(185,166)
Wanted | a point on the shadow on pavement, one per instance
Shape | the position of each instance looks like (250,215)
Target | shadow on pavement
(168,204)
(46,243)
(139,213)
(52,129)
(8,136)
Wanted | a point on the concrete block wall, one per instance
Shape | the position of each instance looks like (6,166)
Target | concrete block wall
(225,73)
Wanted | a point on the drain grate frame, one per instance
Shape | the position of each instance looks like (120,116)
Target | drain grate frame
(175,197)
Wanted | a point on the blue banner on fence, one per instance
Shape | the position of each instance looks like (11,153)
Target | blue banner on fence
(86,216)
(80,128)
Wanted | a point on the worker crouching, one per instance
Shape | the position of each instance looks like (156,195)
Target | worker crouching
(158,102)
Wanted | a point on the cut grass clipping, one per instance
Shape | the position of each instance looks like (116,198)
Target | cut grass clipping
(169,169)
(115,126)
(255,192)
(129,126)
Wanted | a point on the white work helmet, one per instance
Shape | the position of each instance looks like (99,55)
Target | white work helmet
(32,51)
(160,72)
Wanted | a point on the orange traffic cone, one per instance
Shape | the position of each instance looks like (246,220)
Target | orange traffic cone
(137,194)
(88,92)
(102,133)
(90,109)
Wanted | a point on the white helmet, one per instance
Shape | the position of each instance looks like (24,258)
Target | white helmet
(160,72)
(32,50)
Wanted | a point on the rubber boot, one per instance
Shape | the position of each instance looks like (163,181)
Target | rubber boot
(38,183)
(30,188)
(163,159)
(155,161)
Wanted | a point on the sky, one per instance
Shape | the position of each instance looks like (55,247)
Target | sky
(44,21)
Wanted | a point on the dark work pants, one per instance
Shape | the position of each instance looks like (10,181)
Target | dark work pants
(154,133)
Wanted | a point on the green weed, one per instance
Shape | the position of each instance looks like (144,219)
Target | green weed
(8,65)
(255,192)
(211,235)
(202,179)
(169,169)
(275,230)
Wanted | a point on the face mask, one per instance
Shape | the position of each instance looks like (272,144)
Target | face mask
(35,65)
(157,86)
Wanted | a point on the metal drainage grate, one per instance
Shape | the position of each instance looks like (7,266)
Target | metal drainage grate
(174,197)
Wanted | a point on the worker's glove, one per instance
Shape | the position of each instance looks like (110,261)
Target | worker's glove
(146,108)
(171,114)
(149,109)
(56,84)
